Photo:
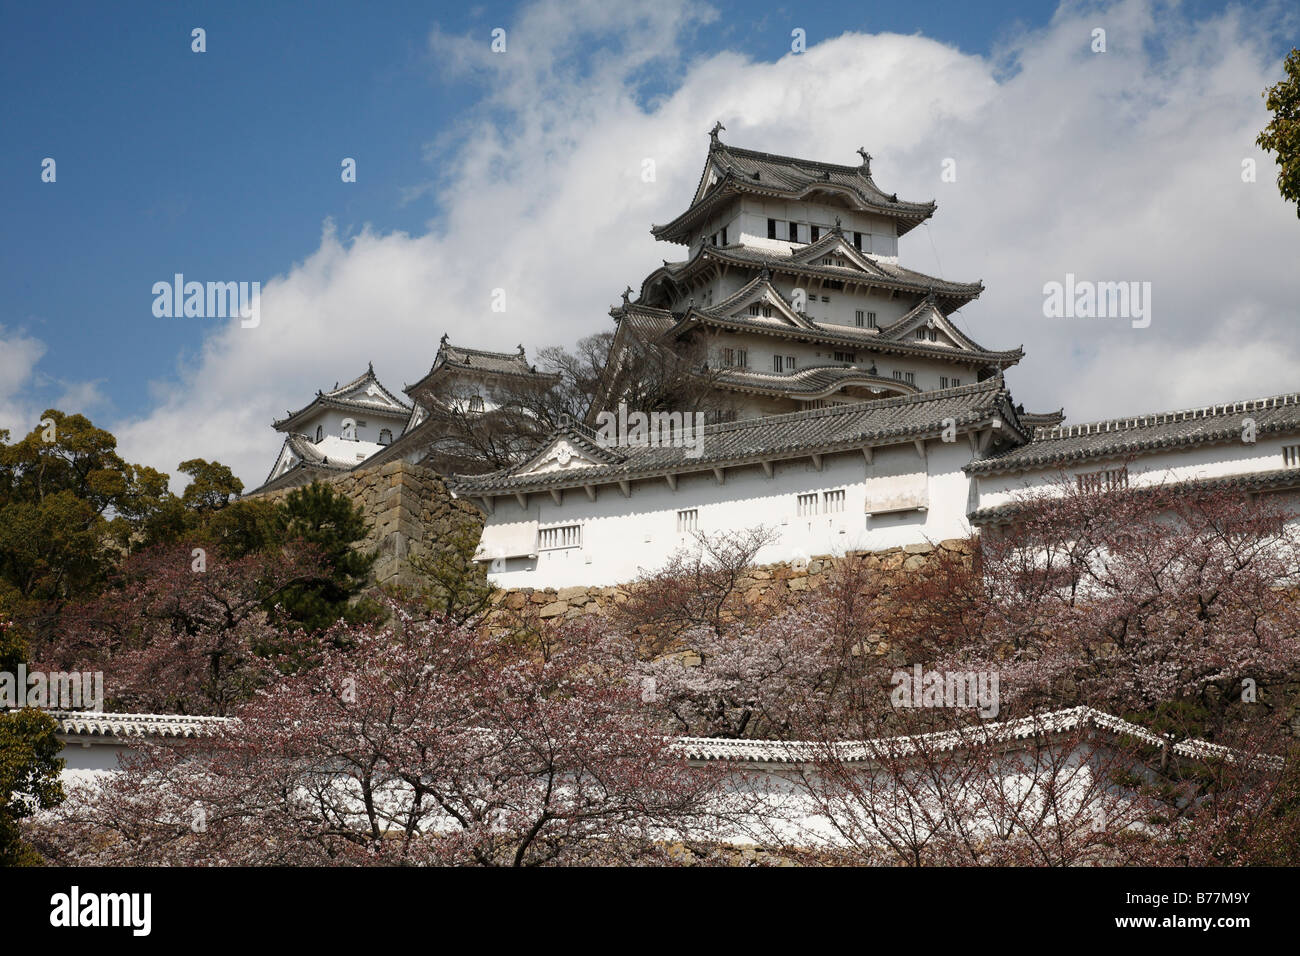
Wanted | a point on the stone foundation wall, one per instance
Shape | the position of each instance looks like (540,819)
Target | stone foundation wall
(408,509)
(761,584)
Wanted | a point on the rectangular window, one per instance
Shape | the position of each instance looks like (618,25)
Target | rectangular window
(1096,481)
(794,232)
(857,241)
(956,382)
(826,298)
(833,502)
(871,320)
(943,381)
(920,334)
(815,232)
(771,229)
(908,377)
(557,538)
(777,364)
(688,521)
(1291,456)
(859,318)
(728,357)
(742,358)
(724,235)
(713,239)
(807,505)
(790,363)
(753,309)
(844,357)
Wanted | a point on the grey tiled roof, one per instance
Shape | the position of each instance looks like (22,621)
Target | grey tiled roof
(747,170)
(1142,434)
(812,380)
(455,358)
(840,428)
(1035,727)
(507,363)
(854,338)
(893,276)
(335,398)
(81,723)
(1277,479)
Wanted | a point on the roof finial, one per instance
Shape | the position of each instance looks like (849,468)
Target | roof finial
(521,350)
(627,295)
(839,227)
(443,341)
(866,159)
(713,133)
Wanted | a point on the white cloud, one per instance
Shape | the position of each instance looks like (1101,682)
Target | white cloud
(19,355)
(26,391)
(1122,165)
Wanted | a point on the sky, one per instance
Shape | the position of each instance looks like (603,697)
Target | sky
(521,171)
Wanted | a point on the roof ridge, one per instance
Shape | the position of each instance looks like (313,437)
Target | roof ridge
(800,161)
(1049,432)
(851,407)
(473,351)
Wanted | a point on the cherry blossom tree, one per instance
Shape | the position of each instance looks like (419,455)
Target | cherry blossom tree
(185,629)
(424,744)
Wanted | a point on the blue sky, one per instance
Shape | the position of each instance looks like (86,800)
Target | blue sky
(225,165)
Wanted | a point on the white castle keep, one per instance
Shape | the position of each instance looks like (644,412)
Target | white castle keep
(863,418)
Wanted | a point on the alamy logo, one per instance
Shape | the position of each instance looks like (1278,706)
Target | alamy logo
(212,300)
(624,429)
(57,690)
(75,908)
(1085,299)
(958,689)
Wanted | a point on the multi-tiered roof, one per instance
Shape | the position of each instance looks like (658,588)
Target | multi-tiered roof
(676,301)
(732,172)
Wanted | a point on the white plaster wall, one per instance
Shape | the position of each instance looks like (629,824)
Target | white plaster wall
(755,212)
(91,755)
(623,536)
(785,814)
(761,349)
(1212,461)
(332,421)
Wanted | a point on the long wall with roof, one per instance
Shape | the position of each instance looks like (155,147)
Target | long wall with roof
(620,536)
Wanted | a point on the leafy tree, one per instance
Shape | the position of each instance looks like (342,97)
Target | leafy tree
(183,630)
(213,486)
(445,747)
(329,522)
(29,760)
(29,778)
(244,527)
(1282,135)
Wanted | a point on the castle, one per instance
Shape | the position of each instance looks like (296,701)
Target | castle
(860,416)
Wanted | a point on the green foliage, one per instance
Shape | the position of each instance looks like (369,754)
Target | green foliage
(29,778)
(245,527)
(1282,135)
(332,525)
(213,485)
(454,584)
(70,507)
